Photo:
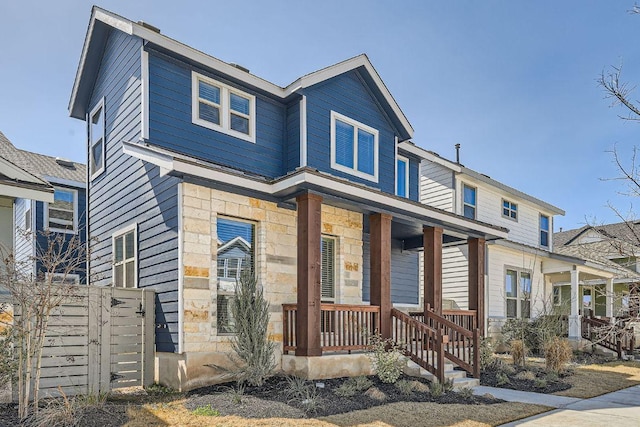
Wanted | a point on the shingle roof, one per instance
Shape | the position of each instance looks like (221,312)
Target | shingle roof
(628,232)
(40,165)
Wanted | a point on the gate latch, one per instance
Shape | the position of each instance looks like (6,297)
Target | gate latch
(141,312)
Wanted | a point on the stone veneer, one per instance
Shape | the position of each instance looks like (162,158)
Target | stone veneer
(275,256)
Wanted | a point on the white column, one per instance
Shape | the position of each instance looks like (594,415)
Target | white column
(609,298)
(574,318)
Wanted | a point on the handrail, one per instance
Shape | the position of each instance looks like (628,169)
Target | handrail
(614,337)
(422,344)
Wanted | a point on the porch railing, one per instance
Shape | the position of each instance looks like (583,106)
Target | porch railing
(422,344)
(342,327)
(467,319)
(614,337)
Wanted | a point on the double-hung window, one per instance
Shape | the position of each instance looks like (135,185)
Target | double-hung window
(62,214)
(223,108)
(468,201)
(125,257)
(402,176)
(96,140)
(509,210)
(235,257)
(354,147)
(518,294)
(544,230)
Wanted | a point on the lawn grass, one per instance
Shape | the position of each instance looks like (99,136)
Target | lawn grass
(395,414)
(596,379)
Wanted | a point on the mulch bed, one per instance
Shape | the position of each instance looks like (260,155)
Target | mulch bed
(490,377)
(109,415)
(274,397)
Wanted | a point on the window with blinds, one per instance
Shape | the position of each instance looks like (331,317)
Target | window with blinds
(62,214)
(327,270)
(235,257)
(354,147)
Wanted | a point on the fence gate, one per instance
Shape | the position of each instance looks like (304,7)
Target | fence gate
(98,340)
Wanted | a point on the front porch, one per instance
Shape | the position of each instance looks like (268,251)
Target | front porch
(314,328)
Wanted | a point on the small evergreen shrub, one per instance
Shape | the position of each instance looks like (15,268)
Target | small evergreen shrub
(386,357)
(436,389)
(465,392)
(540,383)
(526,375)
(502,378)
(405,387)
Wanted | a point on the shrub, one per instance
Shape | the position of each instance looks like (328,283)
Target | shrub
(526,375)
(465,392)
(66,411)
(436,389)
(502,378)
(405,387)
(296,387)
(386,357)
(557,353)
(540,383)
(206,411)
(518,351)
(353,386)
(486,353)
(552,377)
(361,382)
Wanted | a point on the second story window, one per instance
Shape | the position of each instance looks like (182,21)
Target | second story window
(96,140)
(509,210)
(468,201)
(223,108)
(402,176)
(544,230)
(62,214)
(354,147)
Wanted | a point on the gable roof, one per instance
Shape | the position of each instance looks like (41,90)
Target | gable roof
(102,21)
(626,231)
(45,168)
(461,169)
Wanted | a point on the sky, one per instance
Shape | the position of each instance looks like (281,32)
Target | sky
(513,82)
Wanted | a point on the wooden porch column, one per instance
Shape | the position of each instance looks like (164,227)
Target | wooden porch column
(380,262)
(308,311)
(432,237)
(476,279)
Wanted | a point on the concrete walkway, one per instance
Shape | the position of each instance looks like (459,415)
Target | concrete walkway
(620,408)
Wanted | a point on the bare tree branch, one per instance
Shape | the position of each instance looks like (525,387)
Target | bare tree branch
(619,92)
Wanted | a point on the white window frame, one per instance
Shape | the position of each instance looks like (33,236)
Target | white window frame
(74,276)
(75,213)
(356,125)
(519,296)
(475,207)
(100,169)
(556,292)
(540,230)
(28,214)
(513,207)
(224,106)
(400,158)
(121,233)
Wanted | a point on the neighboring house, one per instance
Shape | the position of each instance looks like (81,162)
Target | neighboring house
(616,245)
(199,169)
(525,275)
(39,193)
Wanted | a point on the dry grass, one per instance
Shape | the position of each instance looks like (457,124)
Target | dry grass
(396,414)
(594,380)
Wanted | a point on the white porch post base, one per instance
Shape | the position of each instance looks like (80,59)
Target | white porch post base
(575,327)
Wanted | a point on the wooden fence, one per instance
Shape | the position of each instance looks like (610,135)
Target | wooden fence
(99,339)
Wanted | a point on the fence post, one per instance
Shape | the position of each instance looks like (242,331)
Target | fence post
(476,353)
(105,339)
(94,342)
(440,356)
(148,337)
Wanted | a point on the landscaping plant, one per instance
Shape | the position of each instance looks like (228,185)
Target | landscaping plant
(557,354)
(386,357)
(518,350)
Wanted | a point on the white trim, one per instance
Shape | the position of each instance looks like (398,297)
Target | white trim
(180,165)
(95,173)
(75,212)
(475,206)
(509,209)
(406,175)
(303,131)
(144,85)
(132,28)
(121,232)
(224,108)
(67,182)
(74,276)
(409,147)
(548,230)
(180,270)
(356,126)
(11,190)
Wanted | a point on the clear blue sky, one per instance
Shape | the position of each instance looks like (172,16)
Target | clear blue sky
(514,82)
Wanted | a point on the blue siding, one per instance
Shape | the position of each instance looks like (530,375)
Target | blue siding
(405,285)
(348,95)
(293,135)
(41,239)
(171,127)
(24,245)
(131,191)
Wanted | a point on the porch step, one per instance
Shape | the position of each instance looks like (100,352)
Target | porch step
(459,378)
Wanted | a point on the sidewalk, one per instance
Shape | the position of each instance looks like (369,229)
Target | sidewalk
(620,408)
